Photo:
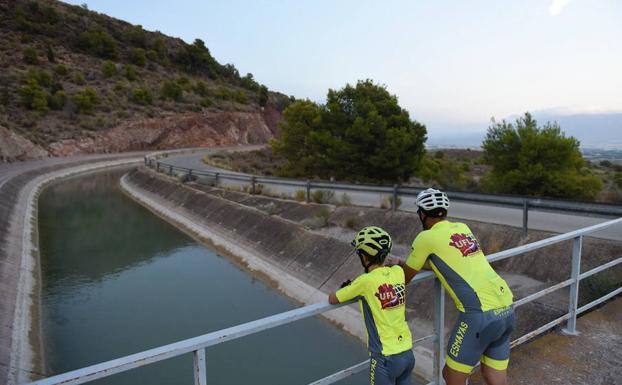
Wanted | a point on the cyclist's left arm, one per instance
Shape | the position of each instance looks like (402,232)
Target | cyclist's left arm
(418,258)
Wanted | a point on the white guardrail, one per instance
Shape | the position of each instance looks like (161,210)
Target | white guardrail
(395,191)
(197,345)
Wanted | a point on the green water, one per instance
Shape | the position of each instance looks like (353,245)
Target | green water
(118,280)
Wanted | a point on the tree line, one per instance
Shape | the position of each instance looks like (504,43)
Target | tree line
(361,134)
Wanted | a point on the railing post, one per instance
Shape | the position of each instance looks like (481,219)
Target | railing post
(146,161)
(394,202)
(200,377)
(253,180)
(216,179)
(170,170)
(157,166)
(525,216)
(439,330)
(308,191)
(571,327)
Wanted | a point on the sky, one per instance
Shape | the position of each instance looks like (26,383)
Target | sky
(452,64)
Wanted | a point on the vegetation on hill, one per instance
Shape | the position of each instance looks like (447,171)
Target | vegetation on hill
(360,134)
(68,71)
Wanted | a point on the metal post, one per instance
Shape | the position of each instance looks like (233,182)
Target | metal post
(216,179)
(394,201)
(146,161)
(253,180)
(200,377)
(525,216)
(158,166)
(308,191)
(170,170)
(571,327)
(439,330)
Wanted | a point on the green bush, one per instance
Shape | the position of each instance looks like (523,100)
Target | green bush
(30,56)
(617,179)
(41,77)
(200,88)
(263,96)
(61,70)
(152,55)
(322,196)
(171,90)
(120,87)
(86,100)
(34,97)
(240,97)
(184,82)
(129,71)
(49,53)
(138,57)
(57,100)
(109,69)
(98,43)
(78,78)
(141,96)
(605,163)
(206,102)
(300,195)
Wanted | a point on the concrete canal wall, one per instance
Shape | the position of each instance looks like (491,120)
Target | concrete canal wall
(303,249)
(21,352)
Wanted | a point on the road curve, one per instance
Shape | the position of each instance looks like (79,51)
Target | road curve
(553,221)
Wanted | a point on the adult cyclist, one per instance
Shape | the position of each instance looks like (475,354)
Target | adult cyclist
(381,293)
(483,298)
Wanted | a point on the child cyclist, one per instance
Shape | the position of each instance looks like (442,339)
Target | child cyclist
(381,294)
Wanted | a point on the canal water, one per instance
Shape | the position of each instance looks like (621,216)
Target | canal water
(118,280)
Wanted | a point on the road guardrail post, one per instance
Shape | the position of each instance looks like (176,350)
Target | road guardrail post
(146,161)
(308,191)
(170,170)
(200,377)
(157,166)
(439,330)
(525,217)
(253,180)
(571,327)
(394,200)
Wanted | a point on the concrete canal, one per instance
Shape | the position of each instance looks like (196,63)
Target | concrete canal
(118,280)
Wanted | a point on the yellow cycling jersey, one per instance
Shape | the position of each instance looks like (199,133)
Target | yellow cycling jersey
(382,294)
(458,261)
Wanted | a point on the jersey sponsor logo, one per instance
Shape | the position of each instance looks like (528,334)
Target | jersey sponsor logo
(466,243)
(390,296)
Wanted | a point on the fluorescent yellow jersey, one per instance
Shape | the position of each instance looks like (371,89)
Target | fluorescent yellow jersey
(382,294)
(458,261)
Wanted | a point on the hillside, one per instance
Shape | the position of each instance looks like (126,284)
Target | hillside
(76,81)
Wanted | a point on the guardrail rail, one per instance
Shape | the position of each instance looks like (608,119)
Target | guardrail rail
(394,192)
(197,345)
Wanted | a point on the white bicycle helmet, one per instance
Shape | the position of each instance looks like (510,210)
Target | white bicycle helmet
(431,199)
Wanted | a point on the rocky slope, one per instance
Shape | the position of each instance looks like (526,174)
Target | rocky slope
(76,81)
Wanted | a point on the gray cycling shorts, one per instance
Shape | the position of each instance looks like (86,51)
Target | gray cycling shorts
(391,370)
(481,336)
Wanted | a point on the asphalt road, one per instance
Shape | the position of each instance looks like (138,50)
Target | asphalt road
(558,222)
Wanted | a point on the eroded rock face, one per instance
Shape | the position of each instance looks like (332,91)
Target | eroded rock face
(14,147)
(200,129)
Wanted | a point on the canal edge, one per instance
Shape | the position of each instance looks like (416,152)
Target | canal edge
(27,359)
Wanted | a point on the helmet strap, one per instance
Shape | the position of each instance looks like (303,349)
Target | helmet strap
(422,217)
(367,265)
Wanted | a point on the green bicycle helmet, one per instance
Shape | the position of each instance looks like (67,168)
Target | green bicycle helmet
(374,243)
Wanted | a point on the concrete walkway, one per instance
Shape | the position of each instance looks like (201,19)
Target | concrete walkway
(593,357)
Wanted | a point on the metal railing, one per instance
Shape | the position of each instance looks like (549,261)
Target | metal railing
(394,192)
(197,345)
